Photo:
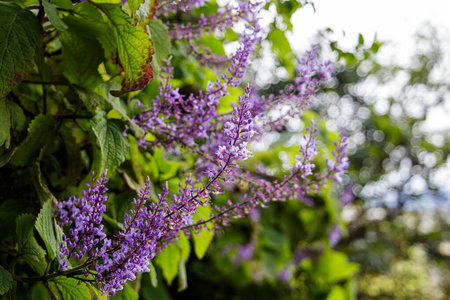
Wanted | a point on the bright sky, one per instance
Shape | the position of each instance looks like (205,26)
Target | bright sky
(389,20)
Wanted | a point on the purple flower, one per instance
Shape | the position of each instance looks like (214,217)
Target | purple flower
(84,215)
(335,236)
(347,196)
(120,259)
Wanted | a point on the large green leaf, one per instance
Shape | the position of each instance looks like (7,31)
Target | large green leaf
(82,57)
(6,281)
(114,147)
(19,34)
(44,226)
(72,289)
(134,48)
(40,133)
(27,246)
(168,261)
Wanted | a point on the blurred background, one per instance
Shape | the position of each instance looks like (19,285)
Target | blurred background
(385,232)
(391,95)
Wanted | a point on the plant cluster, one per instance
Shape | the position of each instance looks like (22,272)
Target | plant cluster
(71,76)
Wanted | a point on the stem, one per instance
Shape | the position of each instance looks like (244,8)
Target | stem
(52,294)
(52,275)
(73,117)
(45,82)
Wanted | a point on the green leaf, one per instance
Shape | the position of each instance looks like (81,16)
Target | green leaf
(149,292)
(9,211)
(27,246)
(66,4)
(127,294)
(185,246)
(168,261)
(43,192)
(153,275)
(159,34)
(53,16)
(134,48)
(5,124)
(44,226)
(337,293)
(40,133)
(6,281)
(279,42)
(19,34)
(82,57)
(11,117)
(360,40)
(182,277)
(87,22)
(72,289)
(334,266)
(18,120)
(273,238)
(204,237)
(97,292)
(114,147)
(73,157)
(92,99)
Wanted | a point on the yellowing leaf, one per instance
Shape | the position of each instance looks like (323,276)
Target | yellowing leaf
(134,48)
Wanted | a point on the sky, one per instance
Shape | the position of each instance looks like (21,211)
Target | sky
(394,22)
(389,20)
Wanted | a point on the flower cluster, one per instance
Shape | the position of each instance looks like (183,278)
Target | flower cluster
(340,162)
(195,115)
(219,143)
(312,73)
(296,97)
(237,131)
(119,260)
(84,215)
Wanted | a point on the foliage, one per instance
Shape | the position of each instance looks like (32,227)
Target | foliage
(397,226)
(85,126)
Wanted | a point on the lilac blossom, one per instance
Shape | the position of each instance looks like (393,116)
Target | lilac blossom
(340,163)
(129,253)
(296,97)
(167,7)
(334,236)
(84,215)
(347,196)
